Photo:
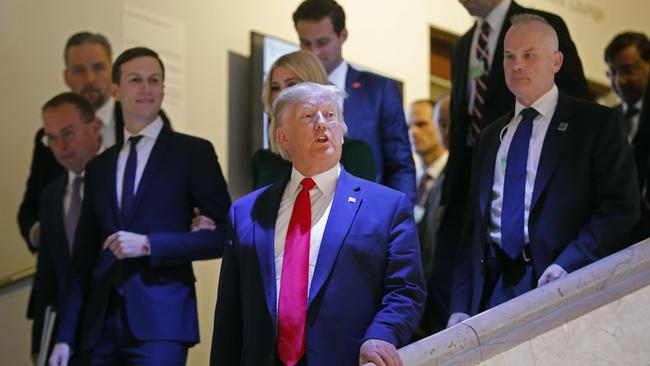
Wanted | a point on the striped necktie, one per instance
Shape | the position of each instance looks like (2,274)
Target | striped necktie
(480,83)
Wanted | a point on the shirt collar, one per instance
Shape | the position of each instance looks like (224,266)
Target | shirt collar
(72,175)
(151,131)
(325,181)
(496,16)
(338,75)
(637,105)
(105,112)
(435,168)
(544,105)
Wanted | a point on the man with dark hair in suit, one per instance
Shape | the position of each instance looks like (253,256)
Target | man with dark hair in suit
(87,72)
(373,111)
(73,134)
(479,94)
(131,295)
(553,186)
(323,268)
(628,67)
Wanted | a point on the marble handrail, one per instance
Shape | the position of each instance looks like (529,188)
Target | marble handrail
(536,312)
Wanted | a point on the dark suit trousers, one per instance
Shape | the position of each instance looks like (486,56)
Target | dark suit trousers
(505,278)
(117,346)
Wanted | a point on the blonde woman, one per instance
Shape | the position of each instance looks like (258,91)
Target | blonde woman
(287,71)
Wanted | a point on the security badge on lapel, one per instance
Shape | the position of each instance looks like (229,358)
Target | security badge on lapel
(476,70)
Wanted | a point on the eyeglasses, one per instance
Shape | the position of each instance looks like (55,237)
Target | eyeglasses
(66,134)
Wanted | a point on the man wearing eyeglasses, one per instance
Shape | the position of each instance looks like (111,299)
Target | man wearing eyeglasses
(72,132)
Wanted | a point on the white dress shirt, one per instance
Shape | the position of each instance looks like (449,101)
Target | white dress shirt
(106,114)
(495,19)
(338,75)
(145,145)
(545,106)
(321,201)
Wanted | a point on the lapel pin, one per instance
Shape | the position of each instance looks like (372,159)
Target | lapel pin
(356,85)
(352,199)
(562,127)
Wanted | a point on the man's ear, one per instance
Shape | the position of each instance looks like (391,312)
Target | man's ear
(115,92)
(344,35)
(282,137)
(65,77)
(558,58)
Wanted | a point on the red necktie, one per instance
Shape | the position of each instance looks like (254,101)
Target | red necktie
(292,308)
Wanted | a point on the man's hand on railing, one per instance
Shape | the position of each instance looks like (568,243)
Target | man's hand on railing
(379,352)
(551,273)
(456,318)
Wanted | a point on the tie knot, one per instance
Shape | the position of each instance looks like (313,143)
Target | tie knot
(528,114)
(76,182)
(485,28)
(307,184)
(134,139)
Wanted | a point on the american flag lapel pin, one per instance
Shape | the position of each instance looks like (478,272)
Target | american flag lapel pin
(562,127)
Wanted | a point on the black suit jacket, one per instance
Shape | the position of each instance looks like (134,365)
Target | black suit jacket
(54,256)
(499,100)
(641,148)
(44,169)
(584,201)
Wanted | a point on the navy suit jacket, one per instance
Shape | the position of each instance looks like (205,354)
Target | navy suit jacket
(159,296)
(584,201)
(44,169)
(54,257)
(367,282)
(498,101)
(373,112)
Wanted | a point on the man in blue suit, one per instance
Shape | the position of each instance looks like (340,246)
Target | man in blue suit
(73,134)
(323,268)
(373,110)
(553,185)
(131,296)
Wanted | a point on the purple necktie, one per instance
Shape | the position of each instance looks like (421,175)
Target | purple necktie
(72,218)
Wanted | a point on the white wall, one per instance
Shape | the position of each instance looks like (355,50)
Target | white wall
(387,35)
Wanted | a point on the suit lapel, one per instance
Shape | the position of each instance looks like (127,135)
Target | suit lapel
(156,158)
(351,78)
(489,161)
(111,180)
(496,80)
(347,200)
(554,143)
(265,213)
(61,185)
(119,124)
